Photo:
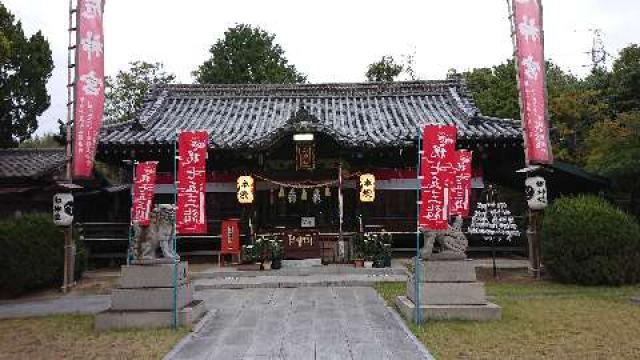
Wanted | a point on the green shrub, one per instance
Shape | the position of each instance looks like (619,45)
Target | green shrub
(586,240)
(32,254)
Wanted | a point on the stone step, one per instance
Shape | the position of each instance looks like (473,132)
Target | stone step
(449,293)
(150,298)
(324,270)
(345,280)
(485,312)
(448,271)
(152,319)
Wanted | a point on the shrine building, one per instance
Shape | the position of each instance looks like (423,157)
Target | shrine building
(300,142)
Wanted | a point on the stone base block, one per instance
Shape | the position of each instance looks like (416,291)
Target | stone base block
(488,311)
(288,264)
(448,271)
(114,319)
(150,276)
(449,293)
(151,298)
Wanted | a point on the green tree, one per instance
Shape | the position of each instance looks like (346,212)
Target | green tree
(46,141)
(24,71)
(614,150)
(126,91)
(495,90)
(625,80)
(247,55)
(385,69)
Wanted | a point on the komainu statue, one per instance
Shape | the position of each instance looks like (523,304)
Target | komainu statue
(159,234)
(452,242)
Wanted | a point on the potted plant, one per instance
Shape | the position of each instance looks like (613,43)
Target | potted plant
(370,241)
(276,253)
(358,250)
(248,258)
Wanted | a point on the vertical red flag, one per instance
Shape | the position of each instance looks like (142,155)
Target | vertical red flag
(461,190)
(230,237)
(191,186)
(143,190)
(438,157)
(89,85)
(527,24)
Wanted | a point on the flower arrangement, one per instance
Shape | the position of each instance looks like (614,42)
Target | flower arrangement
(375,247)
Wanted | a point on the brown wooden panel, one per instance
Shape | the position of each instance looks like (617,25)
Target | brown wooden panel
(301,244)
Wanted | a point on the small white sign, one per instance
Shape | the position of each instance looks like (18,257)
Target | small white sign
(308,221)
(63,209)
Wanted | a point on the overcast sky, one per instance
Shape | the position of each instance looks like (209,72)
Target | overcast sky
(330,40)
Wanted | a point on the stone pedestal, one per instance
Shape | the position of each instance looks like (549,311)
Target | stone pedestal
(145,297)
(448,291)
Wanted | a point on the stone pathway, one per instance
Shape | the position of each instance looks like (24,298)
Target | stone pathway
(305,323)
(87,304)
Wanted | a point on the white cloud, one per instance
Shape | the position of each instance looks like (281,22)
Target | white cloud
(330,40)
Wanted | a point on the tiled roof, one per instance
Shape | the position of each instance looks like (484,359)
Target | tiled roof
(355,115)
(30,163)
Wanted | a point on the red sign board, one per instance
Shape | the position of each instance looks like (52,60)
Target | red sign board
(230,237)
(527,21)
(191,185)
(143,189)
(438,157)
(89,86)
(461,189)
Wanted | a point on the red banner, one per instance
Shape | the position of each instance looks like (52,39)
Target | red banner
(191,186)
(461,190)
(230,233)
(89,86)
(143,189)
(438,158)
(527,21)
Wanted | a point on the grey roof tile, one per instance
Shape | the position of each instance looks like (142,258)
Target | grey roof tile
(30,163)
(355,115)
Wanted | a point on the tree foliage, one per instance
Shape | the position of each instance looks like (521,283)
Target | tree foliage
(385,69)
(247,55)
(46,141)
(625,80)
(25,67)
(126,91)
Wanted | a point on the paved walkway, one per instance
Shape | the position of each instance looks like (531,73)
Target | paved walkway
(305,323)
(88,304)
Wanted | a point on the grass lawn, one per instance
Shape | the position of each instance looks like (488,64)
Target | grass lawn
(539,320)
(73,337)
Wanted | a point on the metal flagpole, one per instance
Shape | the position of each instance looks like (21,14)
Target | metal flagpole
(174,320)
(418,204)
(130,254)
(68,232)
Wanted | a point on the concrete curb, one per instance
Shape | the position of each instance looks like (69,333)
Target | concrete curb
(210,284)
(421,348)
(211,314)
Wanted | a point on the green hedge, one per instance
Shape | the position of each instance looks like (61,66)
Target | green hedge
(31,255)
(586,240)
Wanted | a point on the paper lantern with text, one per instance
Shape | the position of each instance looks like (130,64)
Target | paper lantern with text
(245,188)
(367,187)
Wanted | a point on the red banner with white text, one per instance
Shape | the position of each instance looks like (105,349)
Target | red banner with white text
(89,86)
(230,233)
(461,189)
(527,23)
(143,189)
(191,185)
(437,163)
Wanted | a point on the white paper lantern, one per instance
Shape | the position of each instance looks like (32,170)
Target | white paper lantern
(536,192)
(63,209)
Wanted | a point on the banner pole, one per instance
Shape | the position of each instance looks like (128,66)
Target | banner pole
(418,203)
(174,321)
(130,254)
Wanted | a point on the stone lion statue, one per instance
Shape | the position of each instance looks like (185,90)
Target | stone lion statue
(159,234)
(452,242)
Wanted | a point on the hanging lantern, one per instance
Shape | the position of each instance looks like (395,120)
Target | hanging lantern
(292,196)
(327,191)
(281,192)
(536,192)
(367,188)
(245,187)
(303,196)
(315,197)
